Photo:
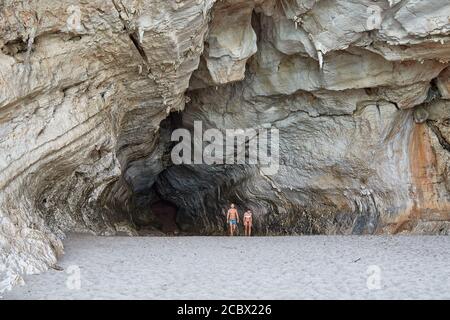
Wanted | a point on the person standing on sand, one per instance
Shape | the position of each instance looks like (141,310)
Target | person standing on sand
(248,219)
(232,219)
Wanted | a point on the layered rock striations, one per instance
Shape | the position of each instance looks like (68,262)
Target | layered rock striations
(90,92)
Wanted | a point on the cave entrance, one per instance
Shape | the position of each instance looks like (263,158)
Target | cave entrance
(193,198)
(190,199)
(165,213)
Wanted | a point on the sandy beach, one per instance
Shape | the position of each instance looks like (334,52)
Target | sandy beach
(307,267)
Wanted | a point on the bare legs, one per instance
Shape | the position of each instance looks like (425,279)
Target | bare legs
(232,229)
(248,229)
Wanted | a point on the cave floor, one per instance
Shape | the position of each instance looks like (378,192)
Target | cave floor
(306,267)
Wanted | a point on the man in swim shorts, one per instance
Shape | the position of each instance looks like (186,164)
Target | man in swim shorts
(232,219)
(248,219)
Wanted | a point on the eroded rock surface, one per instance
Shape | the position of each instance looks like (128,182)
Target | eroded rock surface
(91,90)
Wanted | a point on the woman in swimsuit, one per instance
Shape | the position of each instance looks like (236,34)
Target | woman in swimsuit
(248,219)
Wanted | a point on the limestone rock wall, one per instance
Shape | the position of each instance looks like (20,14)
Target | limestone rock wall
(84,86)
(358,89)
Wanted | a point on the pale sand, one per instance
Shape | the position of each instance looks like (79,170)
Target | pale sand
(308,267)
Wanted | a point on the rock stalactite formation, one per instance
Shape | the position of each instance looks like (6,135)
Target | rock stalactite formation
(90,92)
